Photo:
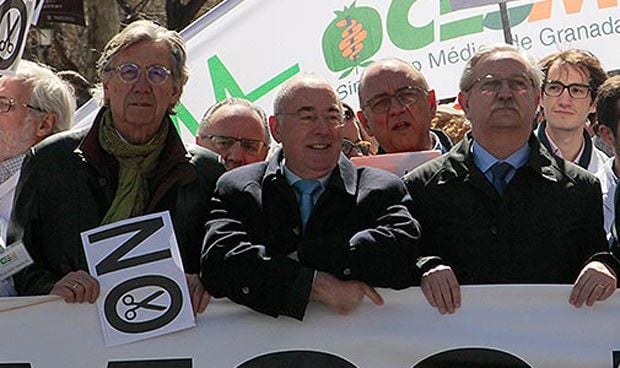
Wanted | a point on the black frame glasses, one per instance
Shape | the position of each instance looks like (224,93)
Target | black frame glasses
(405,96)
(555,88)
(225,142)
(362,147)
(7,103)
(129,73)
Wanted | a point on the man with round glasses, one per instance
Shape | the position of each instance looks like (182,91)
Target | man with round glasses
(397,107)
(307,224)
(237,130)
(568,97)
(130,162)
(34,104)
(499,208)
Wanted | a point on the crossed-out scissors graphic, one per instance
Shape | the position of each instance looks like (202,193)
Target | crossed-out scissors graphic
(128,300)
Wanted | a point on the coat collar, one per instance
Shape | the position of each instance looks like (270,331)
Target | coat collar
(459,162)
(343,177)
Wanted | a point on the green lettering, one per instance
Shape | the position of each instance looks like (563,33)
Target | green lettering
(186,118)
(225,85)
(402,34)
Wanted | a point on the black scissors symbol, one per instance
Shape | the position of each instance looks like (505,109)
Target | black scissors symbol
(7,44)
(128,300)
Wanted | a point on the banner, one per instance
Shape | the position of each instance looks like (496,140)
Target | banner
(249,48)
(464,4)
(516,326)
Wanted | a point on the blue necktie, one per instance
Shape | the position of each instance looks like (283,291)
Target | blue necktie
(499,171)
(306,189)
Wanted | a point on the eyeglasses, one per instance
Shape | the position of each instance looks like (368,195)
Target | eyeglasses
(7,103)
(129,73)
(489,84)
(224,142)
(362,147)
(575,90)
(405,97)
(309,118)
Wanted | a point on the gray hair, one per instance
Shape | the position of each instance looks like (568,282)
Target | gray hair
(49,93)
(146,30)
(467,78)
(234,101)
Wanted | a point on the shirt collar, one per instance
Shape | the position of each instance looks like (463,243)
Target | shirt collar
(292,178)
(10,166)
(484,159)
(556,150)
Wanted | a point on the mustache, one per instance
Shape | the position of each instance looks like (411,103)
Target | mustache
(504,104)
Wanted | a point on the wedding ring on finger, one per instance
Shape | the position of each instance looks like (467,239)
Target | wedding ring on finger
(74,285)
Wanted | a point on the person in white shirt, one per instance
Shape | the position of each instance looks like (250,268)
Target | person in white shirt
(34,103)
(568,97)
(608,115)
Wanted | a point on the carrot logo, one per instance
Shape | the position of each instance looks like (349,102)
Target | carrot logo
(352,38)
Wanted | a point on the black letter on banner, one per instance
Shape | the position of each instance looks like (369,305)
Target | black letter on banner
(112,299)
(15,365)
(159,363)
(144,229)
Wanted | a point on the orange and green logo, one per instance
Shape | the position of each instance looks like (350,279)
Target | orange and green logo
(352,38)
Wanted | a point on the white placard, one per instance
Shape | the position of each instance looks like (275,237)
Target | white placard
(143,288)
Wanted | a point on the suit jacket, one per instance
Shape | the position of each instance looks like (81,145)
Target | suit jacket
(68,183)
(359,229)
(545,228)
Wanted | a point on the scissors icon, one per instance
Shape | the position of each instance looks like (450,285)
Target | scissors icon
(145,303)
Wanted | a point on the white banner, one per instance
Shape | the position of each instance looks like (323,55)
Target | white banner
(530,326)
(249,48)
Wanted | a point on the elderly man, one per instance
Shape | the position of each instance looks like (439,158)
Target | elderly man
(499,208)
(130,162)
(237,130)
(34,103)
(307,224)
(568,95)
(608,116)
(397,107)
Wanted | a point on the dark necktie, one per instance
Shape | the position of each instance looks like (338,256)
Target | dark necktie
(499,171)
(306,189)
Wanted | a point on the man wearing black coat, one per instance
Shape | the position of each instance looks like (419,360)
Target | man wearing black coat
(265,250)
(499,208)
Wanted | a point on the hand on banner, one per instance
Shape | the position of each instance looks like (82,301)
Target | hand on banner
(77,287)
(441,289)
(595,282)
(200,296)
(342,296)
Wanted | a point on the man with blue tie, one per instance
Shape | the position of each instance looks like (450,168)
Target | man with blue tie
(499,208)
(307,224)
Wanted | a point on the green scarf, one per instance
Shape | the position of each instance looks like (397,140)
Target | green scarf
(136,162)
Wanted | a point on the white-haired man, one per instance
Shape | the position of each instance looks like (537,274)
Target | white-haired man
(34,103)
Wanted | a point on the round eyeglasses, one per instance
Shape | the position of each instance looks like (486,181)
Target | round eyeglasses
(129,73)
(575,90)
